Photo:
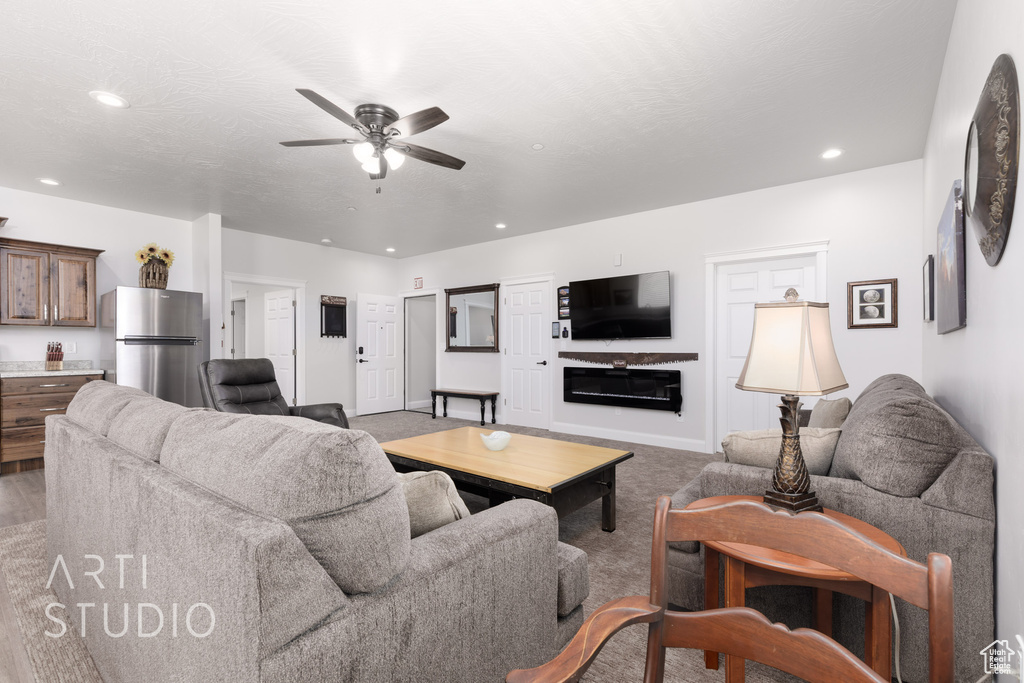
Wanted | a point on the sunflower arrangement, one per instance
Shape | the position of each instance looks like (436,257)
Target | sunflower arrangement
(152,252)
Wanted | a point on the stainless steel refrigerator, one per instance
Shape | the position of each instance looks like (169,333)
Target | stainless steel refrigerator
(151,341)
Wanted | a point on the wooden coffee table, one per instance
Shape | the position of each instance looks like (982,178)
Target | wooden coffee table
(561,474)
(747,566)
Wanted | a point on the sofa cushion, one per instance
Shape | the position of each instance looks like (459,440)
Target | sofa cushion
(334,487)
(892,382)
(432,500)
(573,578)
(760,448)
(828,413)
(97,403)
(142,425)
(897,442)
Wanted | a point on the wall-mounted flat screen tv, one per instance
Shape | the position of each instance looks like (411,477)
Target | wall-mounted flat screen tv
(621,307)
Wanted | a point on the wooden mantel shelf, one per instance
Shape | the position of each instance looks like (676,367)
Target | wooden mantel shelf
(621,360)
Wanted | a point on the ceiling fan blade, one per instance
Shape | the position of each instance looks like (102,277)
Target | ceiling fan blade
(314,143)
(332,109)
(430,156)
(417,123)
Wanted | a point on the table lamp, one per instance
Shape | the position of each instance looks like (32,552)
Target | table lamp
(791,353)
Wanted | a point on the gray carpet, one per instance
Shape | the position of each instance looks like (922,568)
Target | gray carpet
(619,561)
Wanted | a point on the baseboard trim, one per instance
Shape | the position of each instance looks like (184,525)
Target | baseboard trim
(416,405)
(634,437)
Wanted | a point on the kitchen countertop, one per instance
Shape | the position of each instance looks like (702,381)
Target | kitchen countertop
(48,373)
(36,368)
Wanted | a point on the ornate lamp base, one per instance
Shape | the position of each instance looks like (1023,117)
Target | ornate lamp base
(793,502)
(791,483)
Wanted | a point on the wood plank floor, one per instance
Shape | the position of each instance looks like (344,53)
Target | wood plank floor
(22,499)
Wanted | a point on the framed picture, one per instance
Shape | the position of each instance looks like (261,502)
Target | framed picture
(950,278)
(871,303)
(563,302)
(928,282)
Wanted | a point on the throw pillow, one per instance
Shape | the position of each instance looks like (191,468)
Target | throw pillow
(830,413)
(432,500)
(760,448)
(899,443)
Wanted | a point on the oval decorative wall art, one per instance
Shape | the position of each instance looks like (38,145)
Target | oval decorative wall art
(990,163)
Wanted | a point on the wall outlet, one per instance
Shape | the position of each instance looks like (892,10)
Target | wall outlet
(680,417)
(71,347)
(618,411)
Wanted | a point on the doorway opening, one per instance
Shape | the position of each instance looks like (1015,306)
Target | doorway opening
(274,314)
(420,351)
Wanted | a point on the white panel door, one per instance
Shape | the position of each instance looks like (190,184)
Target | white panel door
(739,287)
(279,338)
(526,343)
(379,361)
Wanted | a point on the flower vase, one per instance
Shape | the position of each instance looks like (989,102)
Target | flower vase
(153,274)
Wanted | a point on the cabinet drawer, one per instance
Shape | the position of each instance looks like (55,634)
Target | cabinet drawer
(30,410)
(22,443)
(44,385)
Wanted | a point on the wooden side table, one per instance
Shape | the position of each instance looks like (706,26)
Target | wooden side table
(748,566)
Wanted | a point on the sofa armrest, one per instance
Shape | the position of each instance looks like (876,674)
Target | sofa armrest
(573,578)
(330,413)
(483,584)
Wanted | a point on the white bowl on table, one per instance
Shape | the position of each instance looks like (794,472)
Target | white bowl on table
(496,441)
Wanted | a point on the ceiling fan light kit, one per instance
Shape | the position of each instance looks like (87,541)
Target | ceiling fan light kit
(383,146)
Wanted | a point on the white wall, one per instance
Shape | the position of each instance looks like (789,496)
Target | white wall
(871,218)
(330,362)
(976,372)
(421,350)
(120,233)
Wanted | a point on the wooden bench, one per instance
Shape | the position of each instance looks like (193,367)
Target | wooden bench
(445,394)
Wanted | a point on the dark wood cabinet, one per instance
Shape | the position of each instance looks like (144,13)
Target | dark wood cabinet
(47,284)
(24,404)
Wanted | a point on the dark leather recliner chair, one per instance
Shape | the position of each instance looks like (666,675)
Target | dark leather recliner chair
(249,385)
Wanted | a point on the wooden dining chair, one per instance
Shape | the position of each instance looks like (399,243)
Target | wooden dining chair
(745,632)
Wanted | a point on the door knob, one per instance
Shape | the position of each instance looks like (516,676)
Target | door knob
(543,362)
(363,360)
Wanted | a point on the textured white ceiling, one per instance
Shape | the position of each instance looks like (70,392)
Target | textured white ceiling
(639,105)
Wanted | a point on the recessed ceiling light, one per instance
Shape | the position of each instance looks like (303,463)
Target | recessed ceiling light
(109,99)
(352,208)
(831,153)
(390,250)
(500,226)
(537,146)
(49,181)
(327,240)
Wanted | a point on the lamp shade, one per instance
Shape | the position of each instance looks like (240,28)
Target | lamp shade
(791,351)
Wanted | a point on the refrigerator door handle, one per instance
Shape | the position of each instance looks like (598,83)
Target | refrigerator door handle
(160,341)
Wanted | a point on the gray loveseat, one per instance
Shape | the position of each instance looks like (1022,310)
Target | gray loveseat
(259,548)
(905,466)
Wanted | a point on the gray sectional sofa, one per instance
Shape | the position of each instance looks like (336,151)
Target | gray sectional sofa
(262,548)
(905,466)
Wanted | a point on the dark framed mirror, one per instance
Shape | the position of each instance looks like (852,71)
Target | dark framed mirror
(472,320)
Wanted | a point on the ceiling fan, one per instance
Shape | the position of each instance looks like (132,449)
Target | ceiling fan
(383,145)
